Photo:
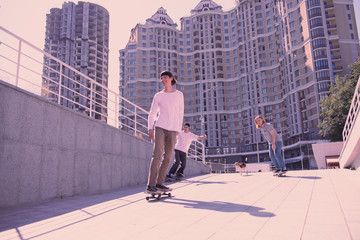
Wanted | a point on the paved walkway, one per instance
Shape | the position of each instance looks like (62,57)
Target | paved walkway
(319,204)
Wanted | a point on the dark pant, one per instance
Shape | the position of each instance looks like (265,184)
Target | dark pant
(180,157)
(163,148)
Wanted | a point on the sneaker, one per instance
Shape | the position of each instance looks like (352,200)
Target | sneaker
(161,187)
(277,171)
(180,175)
(169,175)
(284,170)
(151,189)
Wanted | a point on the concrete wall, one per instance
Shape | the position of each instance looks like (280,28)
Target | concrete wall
(322,150)
(48,151)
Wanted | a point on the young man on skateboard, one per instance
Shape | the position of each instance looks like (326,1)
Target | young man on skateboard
(167,109)
(184,140)
(275,144)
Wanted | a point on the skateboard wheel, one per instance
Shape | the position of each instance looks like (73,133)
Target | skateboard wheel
(169,194)
(147,198)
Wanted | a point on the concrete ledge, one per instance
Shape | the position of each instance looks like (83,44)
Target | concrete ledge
(322,150)
(194,168)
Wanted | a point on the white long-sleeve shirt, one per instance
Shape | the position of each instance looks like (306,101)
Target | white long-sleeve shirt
(170,106)
(184,141)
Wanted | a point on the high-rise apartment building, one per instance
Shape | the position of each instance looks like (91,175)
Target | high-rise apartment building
(78,34)
(263,57)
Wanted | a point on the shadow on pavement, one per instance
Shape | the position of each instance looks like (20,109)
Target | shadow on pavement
(304,177)
(202,182)
(17,216)
(221,207)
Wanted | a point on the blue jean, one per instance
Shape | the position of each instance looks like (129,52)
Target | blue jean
(276,157)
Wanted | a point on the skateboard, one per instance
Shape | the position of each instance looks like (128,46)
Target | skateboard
(280,174)
(173,179)
(157,195)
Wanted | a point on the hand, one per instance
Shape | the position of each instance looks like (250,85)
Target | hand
(273,147)
(151,134)
(201,137)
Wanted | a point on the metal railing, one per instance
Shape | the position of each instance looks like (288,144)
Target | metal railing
(230,168)
(197,151)
(353,112)
(30,68)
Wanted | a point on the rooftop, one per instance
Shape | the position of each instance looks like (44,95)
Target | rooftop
(315,204)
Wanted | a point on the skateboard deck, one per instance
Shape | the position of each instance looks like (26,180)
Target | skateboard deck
(280,174)
(157,195)
(173,179)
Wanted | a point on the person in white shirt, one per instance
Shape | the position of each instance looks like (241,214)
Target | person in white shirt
(183,143)
(167,110)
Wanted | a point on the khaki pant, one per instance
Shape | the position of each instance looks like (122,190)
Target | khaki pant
(163,149)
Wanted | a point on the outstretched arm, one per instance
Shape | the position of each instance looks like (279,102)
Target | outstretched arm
(202,137)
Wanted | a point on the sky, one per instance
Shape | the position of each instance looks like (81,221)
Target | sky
(27,18)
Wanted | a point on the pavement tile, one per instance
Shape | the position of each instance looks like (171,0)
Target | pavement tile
(315,204)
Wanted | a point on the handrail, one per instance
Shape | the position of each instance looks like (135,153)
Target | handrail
(353,112)
(43,74)
(345,159)
(28,67)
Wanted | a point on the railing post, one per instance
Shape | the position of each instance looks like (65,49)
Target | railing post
(91,99)
(116,112)
(203,153)
(60,84)
(195,151)
(18,64)
(135,120)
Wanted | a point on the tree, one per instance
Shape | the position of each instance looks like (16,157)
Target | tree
(335,107)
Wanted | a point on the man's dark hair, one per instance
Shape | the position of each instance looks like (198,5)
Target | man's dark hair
(168,73)
(187,124)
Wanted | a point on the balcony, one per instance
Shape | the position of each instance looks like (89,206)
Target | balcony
(328,6)
(330,16)
(336,58)
(337,69)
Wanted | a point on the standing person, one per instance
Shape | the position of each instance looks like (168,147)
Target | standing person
(167,109)
(183,143)
(275,143)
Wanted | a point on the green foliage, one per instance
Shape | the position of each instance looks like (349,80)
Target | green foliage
(335,107)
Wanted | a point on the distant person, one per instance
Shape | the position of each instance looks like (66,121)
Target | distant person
(167,109)
(275,143)
(184,140)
